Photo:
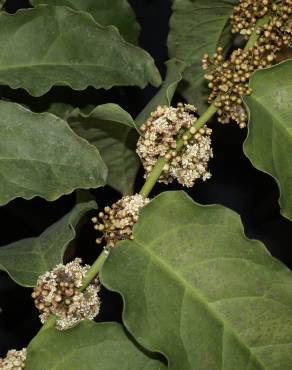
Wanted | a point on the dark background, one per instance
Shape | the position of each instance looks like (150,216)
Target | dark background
(235,184)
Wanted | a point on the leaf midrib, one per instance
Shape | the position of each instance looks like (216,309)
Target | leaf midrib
(197,296)
(23,66)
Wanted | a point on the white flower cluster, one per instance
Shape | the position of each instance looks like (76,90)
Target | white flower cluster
(161,132)
(117,221)
(57,292)
(194,163)
(14,360)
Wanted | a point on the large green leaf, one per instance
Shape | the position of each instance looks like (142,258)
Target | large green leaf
(164,96)
(89,346)
(41,156)
(113,12)
(48,45)
(196,289)
(269,141)
(112,131)
(26,259)
(198,27)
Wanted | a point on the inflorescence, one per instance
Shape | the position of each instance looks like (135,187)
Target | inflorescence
(229,79)
(247,12)
(117,221)
(161,131)
(14,360)
(58,292)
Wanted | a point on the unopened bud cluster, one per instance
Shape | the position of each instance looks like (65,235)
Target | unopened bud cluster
(229,80)
(247,12)
(14,360)
(160,134)
(116,222)
(57,292)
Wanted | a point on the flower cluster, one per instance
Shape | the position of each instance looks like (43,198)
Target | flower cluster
(117,221)
(58,292)
(14,360)
(161,131)
(229,80)
(247,12)
(192,164)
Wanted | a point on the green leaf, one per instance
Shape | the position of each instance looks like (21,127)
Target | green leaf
(26,259)
(41,156)
(62,110)
(269,141)
(165,94)
(61,46)
(88,346)
(198,27)
(118,13)
(112,131)
(196,289)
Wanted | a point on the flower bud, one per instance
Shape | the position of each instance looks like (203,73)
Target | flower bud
(123,215)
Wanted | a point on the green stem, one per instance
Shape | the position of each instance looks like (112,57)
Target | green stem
(94,269)
(204,118)
(254,36)
(201,121)
(51,322)
(152,179)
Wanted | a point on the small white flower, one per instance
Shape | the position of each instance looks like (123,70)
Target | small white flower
(160,134)
(14,360)
(57,292)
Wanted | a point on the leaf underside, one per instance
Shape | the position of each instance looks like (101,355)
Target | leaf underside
(269,141)
(198,27)
(119,14)
(112,131)
(197,290)
(61,46)
(26,259)
(41,156)
(175,68)
(89,346)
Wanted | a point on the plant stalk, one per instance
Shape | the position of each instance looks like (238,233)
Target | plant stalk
(254,36)
(152,179)
(94,269)
(51,321)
